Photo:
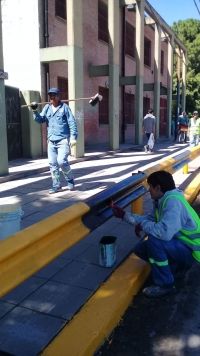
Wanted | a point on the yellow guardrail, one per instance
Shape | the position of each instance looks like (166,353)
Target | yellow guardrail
(171,165)
(26,252)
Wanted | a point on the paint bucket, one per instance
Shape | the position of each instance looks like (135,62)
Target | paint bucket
(10,218)
(107,251)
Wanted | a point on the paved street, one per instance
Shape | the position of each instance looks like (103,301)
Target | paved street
(36,311)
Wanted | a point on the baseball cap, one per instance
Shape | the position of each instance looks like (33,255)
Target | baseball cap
(195,112)
(54,91)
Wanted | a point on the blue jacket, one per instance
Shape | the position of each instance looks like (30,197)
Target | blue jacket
(60,124)
(183,120)
(175,217)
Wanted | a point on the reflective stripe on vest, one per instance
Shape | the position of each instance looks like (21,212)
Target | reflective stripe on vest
(190,238)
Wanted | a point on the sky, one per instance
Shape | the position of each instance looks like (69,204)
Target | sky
(175,10)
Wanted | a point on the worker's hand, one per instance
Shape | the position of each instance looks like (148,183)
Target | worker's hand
(137,230)
(73,143)
(34,106)
(118,212)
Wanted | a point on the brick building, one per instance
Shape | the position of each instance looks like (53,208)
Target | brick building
(120,48)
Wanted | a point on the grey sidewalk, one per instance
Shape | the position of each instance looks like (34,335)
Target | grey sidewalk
(35,311)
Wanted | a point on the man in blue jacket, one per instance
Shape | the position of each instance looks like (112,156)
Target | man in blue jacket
(173,230)
(61,135)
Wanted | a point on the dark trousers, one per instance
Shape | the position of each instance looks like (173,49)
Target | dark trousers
(148,135)
(164,257)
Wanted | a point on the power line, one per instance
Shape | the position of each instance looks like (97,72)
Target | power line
(196,6)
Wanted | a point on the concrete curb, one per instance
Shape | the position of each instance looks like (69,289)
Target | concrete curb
(103,311)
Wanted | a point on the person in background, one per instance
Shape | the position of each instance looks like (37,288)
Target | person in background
(194,129)
(61,135)
(173,229)
(148,127)
(173,126)
(183,122)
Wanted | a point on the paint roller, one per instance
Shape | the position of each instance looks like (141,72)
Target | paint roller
(93,100)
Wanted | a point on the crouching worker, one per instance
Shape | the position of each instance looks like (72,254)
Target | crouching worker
(173,230)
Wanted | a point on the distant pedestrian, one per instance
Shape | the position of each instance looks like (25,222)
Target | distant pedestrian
(194,129)
(61,134)
(183,127)
(148,127)
(175,128)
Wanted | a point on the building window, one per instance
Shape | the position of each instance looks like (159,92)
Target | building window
(104,107)
(146,105)
(162,62)
(103,21)
(63,87)
(129,108)
(147,52)
(130,40)
(60,9)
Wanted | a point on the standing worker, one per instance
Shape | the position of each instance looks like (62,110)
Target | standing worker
(148,127)
(61,135)
(194,129)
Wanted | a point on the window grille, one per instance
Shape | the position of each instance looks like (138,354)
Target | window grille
(63,87)
(147,52)
(104,106)
(130,40)
(103,22)
(60,9)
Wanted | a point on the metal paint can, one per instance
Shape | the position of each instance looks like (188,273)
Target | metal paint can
(107,251)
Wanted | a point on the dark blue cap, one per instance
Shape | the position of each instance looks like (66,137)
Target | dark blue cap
(54,91)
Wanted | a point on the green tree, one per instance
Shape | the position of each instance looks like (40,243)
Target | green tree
(189,33)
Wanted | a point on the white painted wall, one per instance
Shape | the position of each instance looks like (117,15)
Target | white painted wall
(21,43)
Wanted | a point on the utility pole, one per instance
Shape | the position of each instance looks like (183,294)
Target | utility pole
(3,131)
(178,82)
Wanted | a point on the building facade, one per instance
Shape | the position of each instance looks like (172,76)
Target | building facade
(120,49)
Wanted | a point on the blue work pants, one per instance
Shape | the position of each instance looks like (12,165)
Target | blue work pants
(58,152)
(194,139)
(164,257)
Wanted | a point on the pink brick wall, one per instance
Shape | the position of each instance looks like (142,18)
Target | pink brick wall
(95,52)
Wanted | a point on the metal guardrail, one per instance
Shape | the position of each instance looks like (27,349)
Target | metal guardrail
(26,252)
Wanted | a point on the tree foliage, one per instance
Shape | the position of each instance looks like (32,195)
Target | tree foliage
(189,33)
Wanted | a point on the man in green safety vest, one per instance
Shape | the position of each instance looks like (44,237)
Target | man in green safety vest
(173,229)
(194,129)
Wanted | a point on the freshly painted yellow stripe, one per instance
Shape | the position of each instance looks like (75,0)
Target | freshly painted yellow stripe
(192,190)
(89,328)
(26,252)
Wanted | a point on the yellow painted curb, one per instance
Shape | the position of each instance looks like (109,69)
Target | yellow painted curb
(192,190)
(98,317)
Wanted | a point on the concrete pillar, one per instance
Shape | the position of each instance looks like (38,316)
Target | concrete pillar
(113,29)
(169,84)
(31,130)
(3,128)
(139,71)
(157,77)
(75,68)
(184,70)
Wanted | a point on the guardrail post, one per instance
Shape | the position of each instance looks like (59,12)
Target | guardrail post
(136,206)
(185,169)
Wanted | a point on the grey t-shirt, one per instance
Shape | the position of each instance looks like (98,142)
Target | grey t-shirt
(148,123)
